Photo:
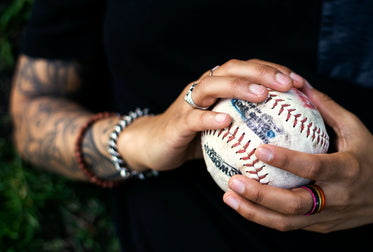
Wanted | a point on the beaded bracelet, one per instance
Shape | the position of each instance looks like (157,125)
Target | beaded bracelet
(113,148)
(79,155)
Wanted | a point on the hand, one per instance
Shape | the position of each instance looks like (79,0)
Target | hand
(169,139)
(346,178)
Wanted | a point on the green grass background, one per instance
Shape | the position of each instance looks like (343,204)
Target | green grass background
(40,211)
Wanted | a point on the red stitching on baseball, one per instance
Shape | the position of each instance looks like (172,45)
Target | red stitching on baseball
(239,140)
(297,120)
(276,102)
(233,136)
(244,147)
(282,108)
(269,97)
(221,131)
(309,129)
(256,172)
(248,155)
(302,125)
(289,114)
(314,133)
(242,150)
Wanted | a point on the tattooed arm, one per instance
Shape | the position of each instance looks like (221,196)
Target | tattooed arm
(47,120)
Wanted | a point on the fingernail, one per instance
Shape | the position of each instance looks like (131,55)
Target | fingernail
(237,186)
(264,154)
(220,117)
(232,202)
(296,77)
(257,89)
(282,78)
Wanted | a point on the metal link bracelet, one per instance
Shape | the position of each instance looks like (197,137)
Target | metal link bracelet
(117,160)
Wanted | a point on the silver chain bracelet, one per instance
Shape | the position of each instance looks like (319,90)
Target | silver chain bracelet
(117,160)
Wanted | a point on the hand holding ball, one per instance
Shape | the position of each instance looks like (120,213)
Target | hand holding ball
(288,120)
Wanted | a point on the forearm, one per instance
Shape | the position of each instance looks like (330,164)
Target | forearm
(46,130)
(47,121)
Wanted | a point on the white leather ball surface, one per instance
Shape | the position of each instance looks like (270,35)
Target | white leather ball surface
(284,119)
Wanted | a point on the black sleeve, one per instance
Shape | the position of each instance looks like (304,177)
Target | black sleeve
(68,29)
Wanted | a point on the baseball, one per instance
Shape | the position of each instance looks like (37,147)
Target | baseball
(284,119)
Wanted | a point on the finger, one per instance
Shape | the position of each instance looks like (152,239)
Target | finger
(334,115)
(257,72)
(319,167)
(264,216)
(298,81)
(200,120)
(210,89)
(289,202)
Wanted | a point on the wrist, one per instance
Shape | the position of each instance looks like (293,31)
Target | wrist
(131,144)
(97,151)
(118,161)
(90,152)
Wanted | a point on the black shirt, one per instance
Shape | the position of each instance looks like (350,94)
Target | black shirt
(152,50)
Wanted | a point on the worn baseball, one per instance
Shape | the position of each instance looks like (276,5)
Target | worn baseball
(284,119)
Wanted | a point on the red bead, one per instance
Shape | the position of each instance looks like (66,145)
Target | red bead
(79,156)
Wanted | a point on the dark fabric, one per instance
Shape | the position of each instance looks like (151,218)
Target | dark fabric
(152,50)
(346,41)
(182,210)
(156,47)
(66,29)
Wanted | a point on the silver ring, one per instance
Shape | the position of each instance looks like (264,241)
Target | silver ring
(188,98)
(213,69)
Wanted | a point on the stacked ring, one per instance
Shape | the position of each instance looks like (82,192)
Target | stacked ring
(213,69)
(318,197)
(188,98)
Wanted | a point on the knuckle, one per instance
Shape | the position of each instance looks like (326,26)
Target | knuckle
(314,169)
(249,215)
(202,82)
(230,64)
(188,120)
(201,86)
(236,83)
(205,118)
(194,120)
(296,206)
(263,69)
(344,201)
(284,225)
(326,230)
(258,197)
(285,70)
(354,171)
(324,97)
(254,60)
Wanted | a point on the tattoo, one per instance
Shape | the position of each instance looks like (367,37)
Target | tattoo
(93,149)
(48,124)
(47,134)
(48,78)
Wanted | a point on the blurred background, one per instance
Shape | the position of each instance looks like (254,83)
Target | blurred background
(40,211)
